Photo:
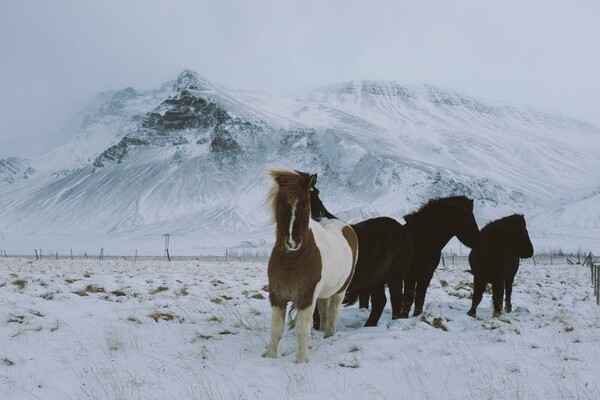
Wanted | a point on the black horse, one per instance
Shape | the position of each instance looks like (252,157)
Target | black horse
(496,260)
(385,251)
(431,227)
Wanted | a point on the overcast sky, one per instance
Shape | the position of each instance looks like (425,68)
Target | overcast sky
(55,56)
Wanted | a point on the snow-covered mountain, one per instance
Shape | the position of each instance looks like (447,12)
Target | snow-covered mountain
(189,159)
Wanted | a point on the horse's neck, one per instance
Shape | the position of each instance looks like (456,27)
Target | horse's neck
(427,230)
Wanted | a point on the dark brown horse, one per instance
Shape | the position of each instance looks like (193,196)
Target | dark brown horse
(432,227)
(386,251)
(310,264)
(496,260)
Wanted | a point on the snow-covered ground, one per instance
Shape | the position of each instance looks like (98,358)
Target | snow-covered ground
(196,330)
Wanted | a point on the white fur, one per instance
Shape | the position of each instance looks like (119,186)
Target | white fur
(291,244)
(336,255)
(337,265)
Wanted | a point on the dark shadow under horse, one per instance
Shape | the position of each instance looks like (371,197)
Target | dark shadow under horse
(385,251)
(431,228)
(496,260)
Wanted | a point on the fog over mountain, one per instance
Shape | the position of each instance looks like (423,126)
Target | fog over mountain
(189,158)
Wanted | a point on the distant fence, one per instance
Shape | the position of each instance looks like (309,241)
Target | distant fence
(595,270)
(228,254)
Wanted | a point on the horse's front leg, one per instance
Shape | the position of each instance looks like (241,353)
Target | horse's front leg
(508,285)
(497,295)
(303,328)
(420,292)
(479,288)
(395,287)
(333,313)
(277,328)
(408,297)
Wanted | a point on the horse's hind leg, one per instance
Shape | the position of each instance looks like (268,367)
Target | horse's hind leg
(321,313)
(378,301)
(277,328)
(303,328)
(363,299)
(478,290)
(333,313)
(508,284)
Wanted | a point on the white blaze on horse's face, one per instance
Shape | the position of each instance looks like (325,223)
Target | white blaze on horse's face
(290,243)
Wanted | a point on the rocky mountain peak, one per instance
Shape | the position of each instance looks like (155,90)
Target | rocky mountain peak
(192,81)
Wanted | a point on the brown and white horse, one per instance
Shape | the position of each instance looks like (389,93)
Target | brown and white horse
(311,263)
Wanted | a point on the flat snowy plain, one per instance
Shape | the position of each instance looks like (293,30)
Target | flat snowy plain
(117,329)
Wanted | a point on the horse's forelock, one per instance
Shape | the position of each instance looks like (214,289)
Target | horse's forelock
(288,183)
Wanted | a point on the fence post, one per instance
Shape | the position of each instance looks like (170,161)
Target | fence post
(597,267)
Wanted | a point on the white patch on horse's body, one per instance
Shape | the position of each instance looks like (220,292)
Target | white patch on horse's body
(336,256)
(291,244)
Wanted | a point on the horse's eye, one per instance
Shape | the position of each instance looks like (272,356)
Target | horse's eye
(311,189)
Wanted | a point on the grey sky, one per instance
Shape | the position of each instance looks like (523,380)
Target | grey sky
(55,56)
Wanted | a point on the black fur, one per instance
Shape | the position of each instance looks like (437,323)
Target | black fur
(431,227)
(385,251)
(496,260)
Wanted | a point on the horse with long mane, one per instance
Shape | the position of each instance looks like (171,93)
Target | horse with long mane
(386,251)
(432,227)
(496,260)
(311,264)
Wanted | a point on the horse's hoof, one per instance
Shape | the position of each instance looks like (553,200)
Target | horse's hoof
(302,360)
(508,309)
(417,313)
(472,313)
(268,354)
(497,314)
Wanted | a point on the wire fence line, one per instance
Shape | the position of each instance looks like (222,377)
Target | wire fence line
(211,254)
(595,272)
(250,254)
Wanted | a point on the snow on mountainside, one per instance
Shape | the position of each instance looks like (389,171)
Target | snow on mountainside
(189,158)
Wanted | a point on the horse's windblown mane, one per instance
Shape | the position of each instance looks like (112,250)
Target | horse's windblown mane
(432,204)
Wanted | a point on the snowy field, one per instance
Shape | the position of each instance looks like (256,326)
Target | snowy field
(196,330)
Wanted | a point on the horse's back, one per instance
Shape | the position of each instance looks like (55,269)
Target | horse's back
(338,245)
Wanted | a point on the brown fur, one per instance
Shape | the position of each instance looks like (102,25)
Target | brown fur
(293,275)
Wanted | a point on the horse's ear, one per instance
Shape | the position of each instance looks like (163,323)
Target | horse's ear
(312,181)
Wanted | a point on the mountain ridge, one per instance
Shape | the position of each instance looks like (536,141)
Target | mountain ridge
(180,158)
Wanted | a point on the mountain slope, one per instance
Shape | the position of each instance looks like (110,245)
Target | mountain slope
(189,159)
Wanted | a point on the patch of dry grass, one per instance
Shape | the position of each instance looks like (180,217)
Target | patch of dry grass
(20,283)
(159,290)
